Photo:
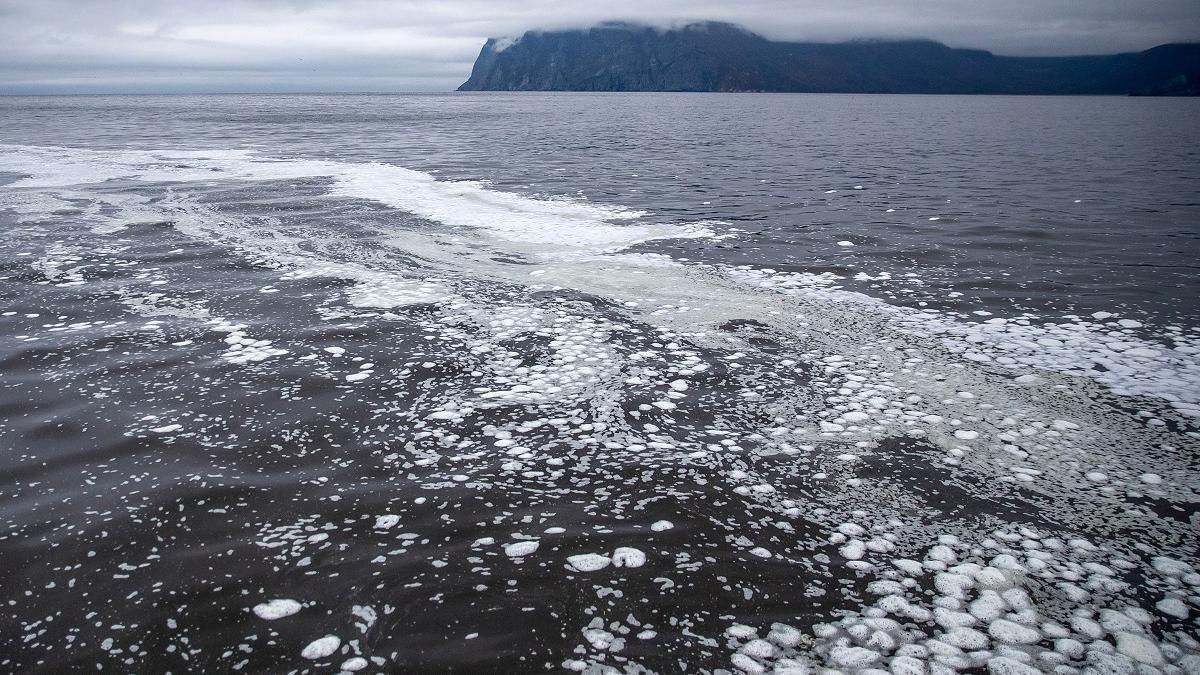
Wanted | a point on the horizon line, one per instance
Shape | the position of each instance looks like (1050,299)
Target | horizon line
(553,91)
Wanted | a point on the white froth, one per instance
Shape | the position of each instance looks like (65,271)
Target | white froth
(386,521)
(456,204)
(276,609)
(589,562)
(626,556)
(520,548)
(322,647)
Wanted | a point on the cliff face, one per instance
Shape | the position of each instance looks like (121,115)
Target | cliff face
(722,57)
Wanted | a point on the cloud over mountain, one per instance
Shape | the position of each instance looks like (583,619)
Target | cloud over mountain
(312,45)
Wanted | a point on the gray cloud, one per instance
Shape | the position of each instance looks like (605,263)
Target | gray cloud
(398,45)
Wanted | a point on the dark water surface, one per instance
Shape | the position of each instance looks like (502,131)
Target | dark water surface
(602,383)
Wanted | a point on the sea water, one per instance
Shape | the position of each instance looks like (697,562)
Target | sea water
(599,383)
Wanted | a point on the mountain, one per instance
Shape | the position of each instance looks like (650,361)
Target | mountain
(723,57)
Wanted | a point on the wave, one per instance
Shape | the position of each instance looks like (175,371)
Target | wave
(556,223)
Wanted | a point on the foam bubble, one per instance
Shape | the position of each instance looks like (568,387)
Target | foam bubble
(276,609)
(589,562)
(520,548)
(322,647)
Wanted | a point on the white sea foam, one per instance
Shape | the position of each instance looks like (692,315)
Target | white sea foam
(589,562)
(1166,367)
(555,223)
(520,549)
(276,609)
(321,647)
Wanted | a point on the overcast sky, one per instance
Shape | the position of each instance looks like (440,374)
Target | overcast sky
(415,45)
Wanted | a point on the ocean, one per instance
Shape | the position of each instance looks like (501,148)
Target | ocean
(604,383)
